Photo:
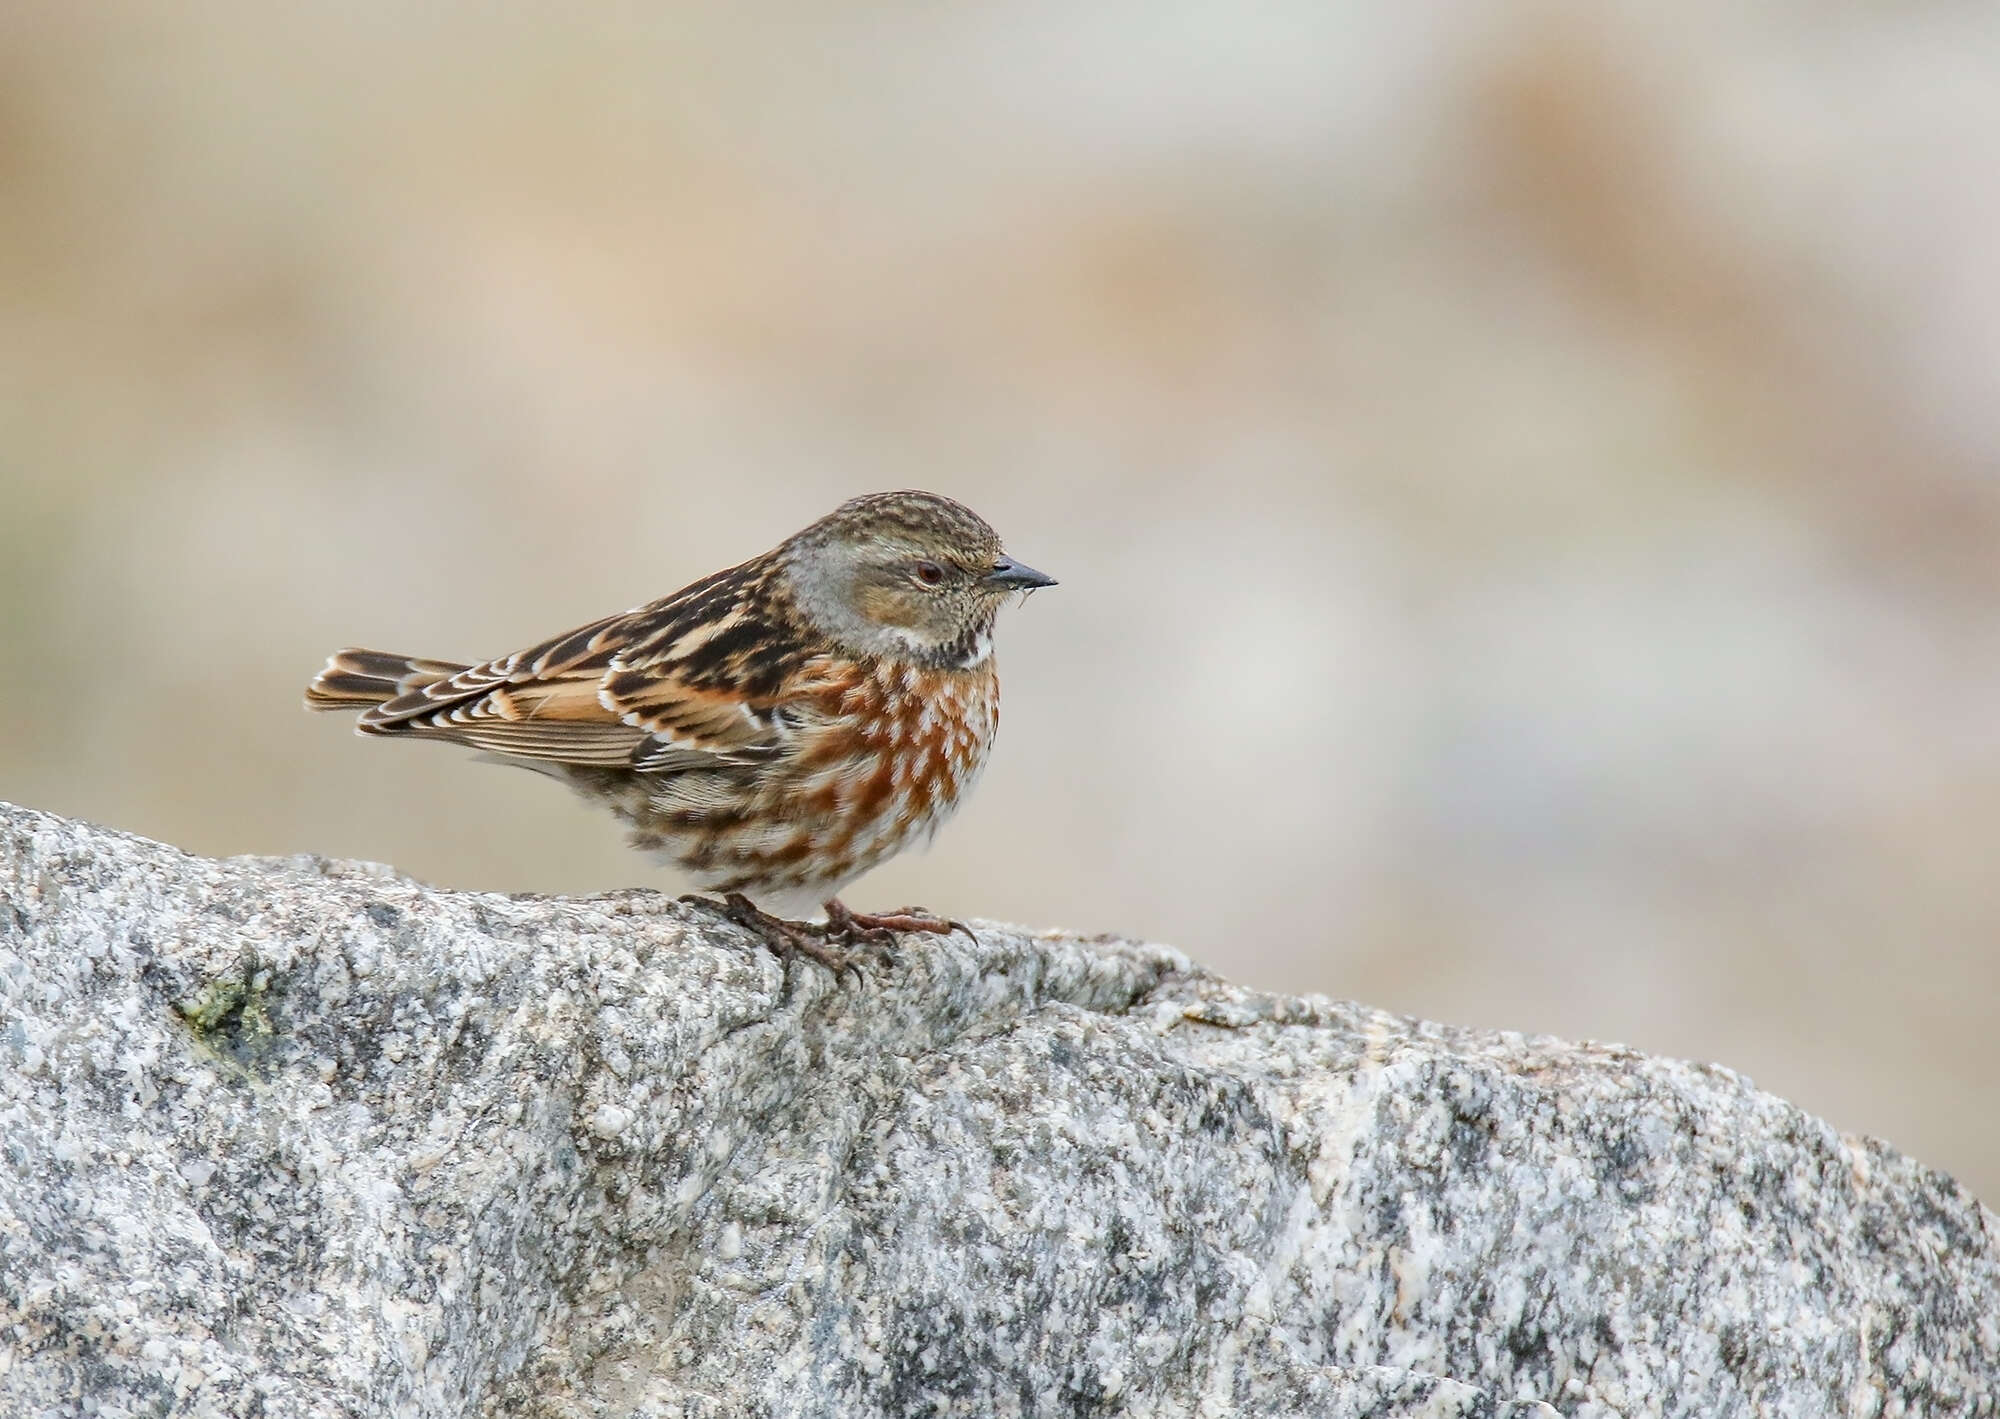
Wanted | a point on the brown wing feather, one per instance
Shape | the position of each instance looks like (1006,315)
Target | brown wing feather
(693,680)
(716,666)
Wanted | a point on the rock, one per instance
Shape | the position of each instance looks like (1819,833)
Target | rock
(307,1138)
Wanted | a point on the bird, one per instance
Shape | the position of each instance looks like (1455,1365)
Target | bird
(777,728)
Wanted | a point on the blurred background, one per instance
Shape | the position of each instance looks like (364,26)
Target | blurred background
(1525,478)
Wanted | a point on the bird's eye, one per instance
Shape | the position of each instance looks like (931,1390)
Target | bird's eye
(930,573)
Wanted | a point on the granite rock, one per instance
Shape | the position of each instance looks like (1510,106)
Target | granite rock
(297,1137)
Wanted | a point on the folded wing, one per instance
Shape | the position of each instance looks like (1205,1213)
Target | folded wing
(697,680)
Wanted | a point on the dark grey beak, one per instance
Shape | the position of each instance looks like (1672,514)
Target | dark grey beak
(1010,575)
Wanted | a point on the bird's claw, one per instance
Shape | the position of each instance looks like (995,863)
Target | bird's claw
(843,927)
(880,928)
(785,939)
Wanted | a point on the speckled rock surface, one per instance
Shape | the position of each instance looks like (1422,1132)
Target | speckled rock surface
(305,1138)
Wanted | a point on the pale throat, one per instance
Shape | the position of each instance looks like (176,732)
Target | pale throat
(967,652)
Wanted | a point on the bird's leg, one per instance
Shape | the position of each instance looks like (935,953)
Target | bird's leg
(786,939)
(878,929)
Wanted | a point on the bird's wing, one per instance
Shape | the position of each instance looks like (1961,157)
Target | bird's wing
(697,679)
(539,703)
(721,667)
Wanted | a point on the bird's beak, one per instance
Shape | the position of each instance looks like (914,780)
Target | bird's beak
(1010,575)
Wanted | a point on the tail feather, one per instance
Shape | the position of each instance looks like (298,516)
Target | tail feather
(356,679)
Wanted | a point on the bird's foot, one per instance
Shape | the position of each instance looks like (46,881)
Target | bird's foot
(786,939)
(849,927)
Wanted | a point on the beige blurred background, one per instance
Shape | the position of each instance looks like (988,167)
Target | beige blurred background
(1525,479)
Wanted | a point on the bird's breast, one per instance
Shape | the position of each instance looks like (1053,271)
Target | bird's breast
(944,722)
(906,743)
(883,757)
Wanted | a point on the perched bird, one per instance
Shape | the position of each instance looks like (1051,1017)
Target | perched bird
(778,728)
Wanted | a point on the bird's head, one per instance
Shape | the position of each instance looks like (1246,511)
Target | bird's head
(906,576)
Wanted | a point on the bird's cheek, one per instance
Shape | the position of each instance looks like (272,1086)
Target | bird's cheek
(887,606)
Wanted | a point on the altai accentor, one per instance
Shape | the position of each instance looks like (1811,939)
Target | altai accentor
(778,728)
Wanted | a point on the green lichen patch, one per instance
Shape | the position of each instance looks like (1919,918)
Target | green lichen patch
(232,1013)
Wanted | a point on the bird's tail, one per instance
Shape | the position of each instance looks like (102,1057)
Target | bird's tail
(356,679)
